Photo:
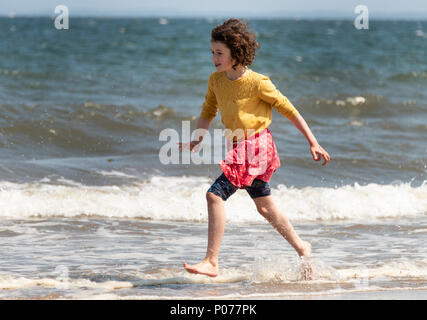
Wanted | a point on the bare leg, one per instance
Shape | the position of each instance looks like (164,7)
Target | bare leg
(267,208)
(216,227)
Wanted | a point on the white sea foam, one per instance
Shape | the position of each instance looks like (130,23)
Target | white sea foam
(12,283)
(362,278)
(368,293)
(114,173)
(283,270)
(183,198)
(403,268)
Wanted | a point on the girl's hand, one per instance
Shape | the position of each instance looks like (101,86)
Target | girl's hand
(318,152)
(188,146)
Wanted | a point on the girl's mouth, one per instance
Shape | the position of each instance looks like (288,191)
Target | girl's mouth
(217,65)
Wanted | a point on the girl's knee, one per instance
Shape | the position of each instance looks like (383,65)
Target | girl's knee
(263,210)
(264,206)
(213,198)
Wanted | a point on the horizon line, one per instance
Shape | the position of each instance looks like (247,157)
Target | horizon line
(218,16)
(180,13)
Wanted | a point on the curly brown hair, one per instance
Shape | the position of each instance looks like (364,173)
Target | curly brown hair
(236,35)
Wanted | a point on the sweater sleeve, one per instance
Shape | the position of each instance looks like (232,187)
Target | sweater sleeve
(268,93)
(210,105)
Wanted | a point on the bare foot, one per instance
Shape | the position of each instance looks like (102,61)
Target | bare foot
(305,257)
(205,267)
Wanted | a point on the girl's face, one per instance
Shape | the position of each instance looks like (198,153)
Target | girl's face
(221,56)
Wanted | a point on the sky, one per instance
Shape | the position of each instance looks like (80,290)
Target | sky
(409,9)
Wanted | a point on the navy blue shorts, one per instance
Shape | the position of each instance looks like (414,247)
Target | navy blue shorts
(223,188)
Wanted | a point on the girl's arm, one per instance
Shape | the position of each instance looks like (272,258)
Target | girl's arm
(202,127)
(316,150)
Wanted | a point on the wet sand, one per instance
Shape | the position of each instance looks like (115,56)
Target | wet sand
(375,295)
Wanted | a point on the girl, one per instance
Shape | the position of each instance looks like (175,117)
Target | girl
(245,99)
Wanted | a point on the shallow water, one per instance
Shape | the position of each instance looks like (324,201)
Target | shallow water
(88,258)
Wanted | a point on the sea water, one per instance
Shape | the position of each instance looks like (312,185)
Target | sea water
(89,211)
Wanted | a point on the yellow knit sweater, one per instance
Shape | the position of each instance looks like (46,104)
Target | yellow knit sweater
(245,103)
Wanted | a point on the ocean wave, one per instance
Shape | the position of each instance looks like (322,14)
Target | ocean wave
(411,76)
(9,282)
(366,105)
(282,277)
(284,271)
(88,111)
(92,126)
(89,128)
(152,199)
